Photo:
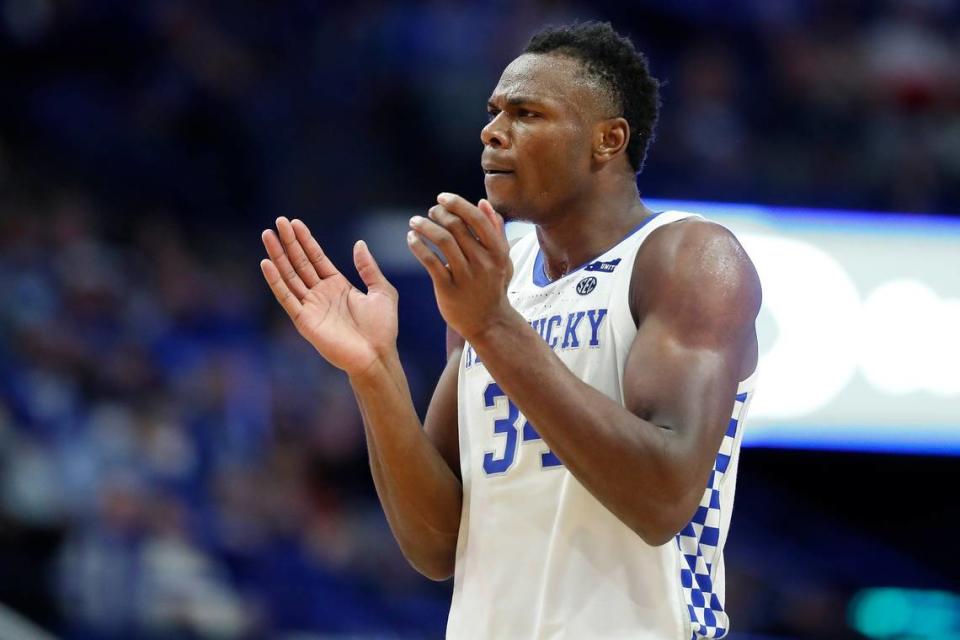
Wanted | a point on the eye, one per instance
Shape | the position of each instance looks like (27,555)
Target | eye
(524,113)
(491,114)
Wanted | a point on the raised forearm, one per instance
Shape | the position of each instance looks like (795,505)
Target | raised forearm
(356,332)
(421,496)
(629,464)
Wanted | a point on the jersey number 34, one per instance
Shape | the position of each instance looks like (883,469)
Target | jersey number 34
(508,428)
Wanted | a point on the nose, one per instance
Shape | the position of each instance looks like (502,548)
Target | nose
(495,133)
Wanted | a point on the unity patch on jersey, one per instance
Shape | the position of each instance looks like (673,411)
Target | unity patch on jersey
(600,265)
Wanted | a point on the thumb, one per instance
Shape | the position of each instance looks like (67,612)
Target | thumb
(487,209)
(368,268)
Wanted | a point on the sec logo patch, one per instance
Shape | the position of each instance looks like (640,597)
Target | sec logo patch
(586,285)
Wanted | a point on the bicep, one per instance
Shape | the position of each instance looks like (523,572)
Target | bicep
(442,418)
(696,340)
(686,389)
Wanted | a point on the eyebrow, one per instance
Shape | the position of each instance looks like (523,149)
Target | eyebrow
(517,100)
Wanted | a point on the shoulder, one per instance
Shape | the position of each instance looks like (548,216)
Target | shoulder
(698,273)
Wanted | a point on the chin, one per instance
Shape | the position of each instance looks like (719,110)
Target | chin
(501,207)
(505,208)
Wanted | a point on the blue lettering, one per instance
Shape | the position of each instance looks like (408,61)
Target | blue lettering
(493,465)
(541,325)
(553,320)
(538,326)
(570,335)
(507,427)
(547,458)
(596,319)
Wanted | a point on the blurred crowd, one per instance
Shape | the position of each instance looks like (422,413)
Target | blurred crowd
(833,104)
(175,462)
(242,110)
(195,470)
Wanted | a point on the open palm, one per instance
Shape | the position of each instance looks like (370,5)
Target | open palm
(349,328)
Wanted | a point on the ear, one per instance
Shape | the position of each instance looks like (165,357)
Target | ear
(610,138)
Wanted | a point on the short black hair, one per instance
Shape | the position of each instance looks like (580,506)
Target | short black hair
(613,61)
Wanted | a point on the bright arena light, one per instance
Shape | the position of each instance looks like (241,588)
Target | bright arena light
(921,335)
(815,307)
(860,328)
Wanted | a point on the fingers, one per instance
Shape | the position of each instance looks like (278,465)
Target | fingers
(467,242)
(368,268)
(445,241)
(324,267)
(282,264)
(483,224)
(295,253)
(289,302)
(440,275)
(487,209)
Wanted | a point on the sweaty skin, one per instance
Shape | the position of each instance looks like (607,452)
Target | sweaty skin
(553,155)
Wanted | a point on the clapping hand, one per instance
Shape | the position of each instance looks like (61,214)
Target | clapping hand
(351,329)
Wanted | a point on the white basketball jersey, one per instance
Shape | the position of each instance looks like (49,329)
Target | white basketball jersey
(538,556)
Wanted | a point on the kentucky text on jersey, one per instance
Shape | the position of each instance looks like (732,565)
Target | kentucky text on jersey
(572,331)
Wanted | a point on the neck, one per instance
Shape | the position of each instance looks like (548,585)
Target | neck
(585,230)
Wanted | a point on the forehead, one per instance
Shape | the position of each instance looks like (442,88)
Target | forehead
(548,78)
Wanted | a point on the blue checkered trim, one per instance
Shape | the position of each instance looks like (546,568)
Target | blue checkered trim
(699,545)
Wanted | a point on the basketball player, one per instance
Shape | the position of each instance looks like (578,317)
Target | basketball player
(575,470)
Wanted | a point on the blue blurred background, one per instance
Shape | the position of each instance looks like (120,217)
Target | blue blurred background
(175,462)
